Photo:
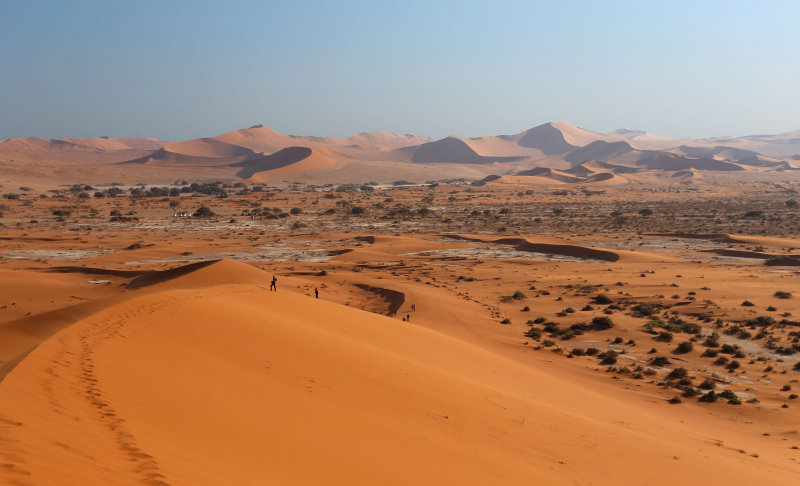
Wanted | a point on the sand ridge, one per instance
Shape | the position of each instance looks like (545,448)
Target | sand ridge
(421,397)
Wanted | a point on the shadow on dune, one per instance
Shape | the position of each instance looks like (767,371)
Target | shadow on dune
(522,244)
(282,158)
(394,298)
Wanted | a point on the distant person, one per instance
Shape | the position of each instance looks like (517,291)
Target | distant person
(404,319)
(408,317)
(272,285)
(316,292)
(413,307)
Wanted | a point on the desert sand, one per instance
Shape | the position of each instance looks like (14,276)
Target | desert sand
(559,321)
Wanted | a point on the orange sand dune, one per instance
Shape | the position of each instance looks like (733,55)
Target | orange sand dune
(84,150)
(200,152)
(293,160)
(235,385)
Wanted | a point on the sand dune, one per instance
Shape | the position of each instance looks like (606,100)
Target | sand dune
(200,152)
(556,146)
(463,151)
(166,387)
(282,158)
(87,150)
(600,151)
(263,139)
(557,138)
(293,160)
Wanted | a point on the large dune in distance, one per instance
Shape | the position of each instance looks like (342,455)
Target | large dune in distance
(200,152)
(292,160)
(86,150)
(201,381)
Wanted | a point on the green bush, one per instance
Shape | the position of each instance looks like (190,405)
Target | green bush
(601,323)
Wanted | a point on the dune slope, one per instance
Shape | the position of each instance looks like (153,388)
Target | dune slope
(230,384)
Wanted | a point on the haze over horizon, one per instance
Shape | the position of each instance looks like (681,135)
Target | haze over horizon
(183,70)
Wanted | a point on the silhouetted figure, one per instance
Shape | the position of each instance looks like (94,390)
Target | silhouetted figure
(316,292)
(413,307)
(272,285)
(408,317)
(404,319)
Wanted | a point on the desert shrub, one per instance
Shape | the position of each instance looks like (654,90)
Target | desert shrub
(506,321)
(526,309)
(675,400)
(727,394)
(548,343)
(709,397)
(753,214)
(729,349)
(62,214)
(539,320)
(658,323)
(664,336)
(533,333)
(710,353)
(733,365)
(684,347)
(518,295)
(660,361)
(602,299)
(643,310)
(551,327)
(761,321)
(711,342)
(203,212)
(608,358)
(587,307)
(722,360)
(578,351)
(786,387)
(602,323)
(747,303)
(677,374)
(707,384)
(592,351)
(689,391)
(691,328)
(782,294)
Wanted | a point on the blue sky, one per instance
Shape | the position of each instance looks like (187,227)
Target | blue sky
(185,69)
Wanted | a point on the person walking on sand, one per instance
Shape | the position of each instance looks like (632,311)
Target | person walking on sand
(413,307)
(272,285)
(316,292)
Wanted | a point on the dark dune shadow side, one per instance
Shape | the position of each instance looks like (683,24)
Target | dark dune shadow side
(394,298)
(281,158)
(566,250)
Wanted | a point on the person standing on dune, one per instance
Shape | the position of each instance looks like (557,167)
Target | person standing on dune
(272,285)
(316,292)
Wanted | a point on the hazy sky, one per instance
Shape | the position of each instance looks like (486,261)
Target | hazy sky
(185,69)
